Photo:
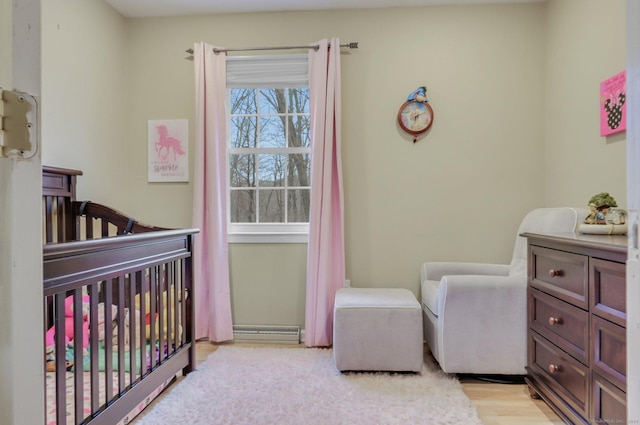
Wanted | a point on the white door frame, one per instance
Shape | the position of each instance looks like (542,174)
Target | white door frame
(633,205)
(21,312)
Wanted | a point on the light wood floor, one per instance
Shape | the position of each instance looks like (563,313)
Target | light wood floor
(497,404)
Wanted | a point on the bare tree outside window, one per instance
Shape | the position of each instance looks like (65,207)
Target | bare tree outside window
(269,155)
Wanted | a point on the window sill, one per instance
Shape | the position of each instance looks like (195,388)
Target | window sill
(263,237)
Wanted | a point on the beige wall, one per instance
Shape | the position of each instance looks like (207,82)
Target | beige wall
(5,44)
(405,202)
(585,44)
(85,96)
(459,194)
(270,290)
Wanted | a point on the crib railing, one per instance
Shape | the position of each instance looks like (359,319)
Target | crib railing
(65,219)
(140,282)
(95,221)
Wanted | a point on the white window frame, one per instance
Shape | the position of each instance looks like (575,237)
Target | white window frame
(265,71)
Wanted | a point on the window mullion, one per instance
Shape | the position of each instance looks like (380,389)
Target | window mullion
(286,156)
(285,200)
(257,201)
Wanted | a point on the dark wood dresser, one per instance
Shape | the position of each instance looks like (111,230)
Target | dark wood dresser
(577,320)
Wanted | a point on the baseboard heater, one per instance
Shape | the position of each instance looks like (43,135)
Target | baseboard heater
(267,334)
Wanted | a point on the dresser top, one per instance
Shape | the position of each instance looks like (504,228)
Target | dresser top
(615,243)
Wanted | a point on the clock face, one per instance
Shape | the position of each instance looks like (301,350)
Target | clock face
(415,117)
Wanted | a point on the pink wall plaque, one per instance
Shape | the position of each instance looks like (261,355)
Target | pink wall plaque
(613,105)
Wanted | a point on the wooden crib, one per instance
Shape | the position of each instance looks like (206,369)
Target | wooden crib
(121,292)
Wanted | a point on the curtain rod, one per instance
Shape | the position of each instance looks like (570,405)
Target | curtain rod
(352,45)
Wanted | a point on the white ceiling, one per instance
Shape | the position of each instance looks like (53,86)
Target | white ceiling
(148,8)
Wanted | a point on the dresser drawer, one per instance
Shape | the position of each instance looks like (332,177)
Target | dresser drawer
(610,351)
(608,290)
(577,280)
(561,323)
(561,372)
(609,402)
(564,275)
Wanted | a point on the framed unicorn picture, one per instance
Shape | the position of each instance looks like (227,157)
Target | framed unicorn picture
(168,150)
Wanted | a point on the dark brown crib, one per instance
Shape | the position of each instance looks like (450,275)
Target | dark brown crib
(119,311)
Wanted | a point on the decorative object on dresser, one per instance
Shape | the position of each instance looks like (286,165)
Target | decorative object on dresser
(576,328)
(603,217)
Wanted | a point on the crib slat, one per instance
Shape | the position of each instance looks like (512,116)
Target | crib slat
(176,305)
(48,217)
(132,329)
(153,299)
(184,311)
(77,355)
(187,306)
(121,333)
(61,363)
(88,228)
(176,312)
(171,331)
(104,226)
(143,327)
(60,218)
(107,290)
(161,311)
(93,346)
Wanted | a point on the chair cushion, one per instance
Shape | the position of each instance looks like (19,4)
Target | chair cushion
(429,291)
(375,298)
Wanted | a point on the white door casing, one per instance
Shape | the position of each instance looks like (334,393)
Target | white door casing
(633,201)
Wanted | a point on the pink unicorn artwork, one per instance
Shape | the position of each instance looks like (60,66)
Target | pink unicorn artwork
(166,145)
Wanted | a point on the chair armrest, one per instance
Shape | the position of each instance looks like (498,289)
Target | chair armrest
(489,292)
(436,270)
(484,311)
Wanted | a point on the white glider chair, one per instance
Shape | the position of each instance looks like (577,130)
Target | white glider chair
(475,315)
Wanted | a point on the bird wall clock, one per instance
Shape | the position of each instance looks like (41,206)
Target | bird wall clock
(416,115)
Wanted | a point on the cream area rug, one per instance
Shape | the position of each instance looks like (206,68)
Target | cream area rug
(301,386)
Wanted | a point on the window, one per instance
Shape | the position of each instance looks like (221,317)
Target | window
(269,152)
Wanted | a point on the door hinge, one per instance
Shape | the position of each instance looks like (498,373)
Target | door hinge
(18,124)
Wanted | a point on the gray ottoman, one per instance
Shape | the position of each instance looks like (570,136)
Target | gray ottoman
(377,329)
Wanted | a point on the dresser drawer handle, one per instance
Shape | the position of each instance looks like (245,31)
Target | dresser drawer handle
(555,273)
(553,368)
(555,320)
